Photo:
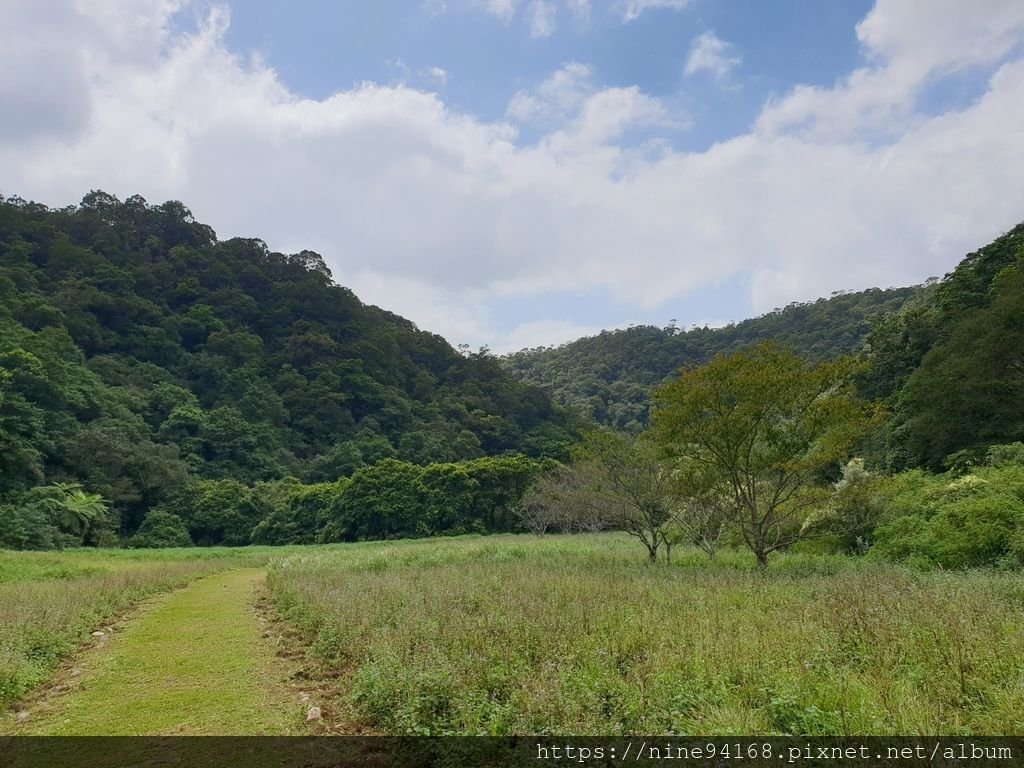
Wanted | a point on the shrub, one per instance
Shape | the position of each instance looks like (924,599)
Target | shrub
(161,529)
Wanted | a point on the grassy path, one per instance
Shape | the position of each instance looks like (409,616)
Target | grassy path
(193,663)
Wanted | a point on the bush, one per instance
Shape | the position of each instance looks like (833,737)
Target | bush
(956,522)
(161,529)
(26,527)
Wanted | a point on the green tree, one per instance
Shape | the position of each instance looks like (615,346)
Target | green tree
(968,392)
(159,530)
(381,501)
(768,425)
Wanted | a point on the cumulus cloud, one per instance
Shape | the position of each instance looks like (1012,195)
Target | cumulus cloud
(579,8)
(907,49)
(503,9)
(709,53)
(436,214)
(541,15)
(582,115)
(557,98)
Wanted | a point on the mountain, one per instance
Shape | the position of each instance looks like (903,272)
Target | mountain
(138,351)
(607,378)
(950,367)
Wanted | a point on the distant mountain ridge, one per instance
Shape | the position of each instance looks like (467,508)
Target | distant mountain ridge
(607,378)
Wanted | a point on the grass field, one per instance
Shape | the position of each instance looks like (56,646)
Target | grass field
(518,634)
(193,663)
(577,635)
(51,601)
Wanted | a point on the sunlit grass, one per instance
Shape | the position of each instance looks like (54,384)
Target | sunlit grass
(578,635)
(51,601)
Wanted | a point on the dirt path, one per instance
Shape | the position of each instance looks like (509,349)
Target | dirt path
(192,663)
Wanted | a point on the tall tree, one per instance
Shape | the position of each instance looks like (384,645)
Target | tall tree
(768,425)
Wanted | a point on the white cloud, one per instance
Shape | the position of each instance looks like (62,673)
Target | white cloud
(435,214)
(908,49)
(557,98)
(580,113)
(503,9)
(541,17)
(709,53)
(580,9)
(631,10)
(544,333)
(435,75)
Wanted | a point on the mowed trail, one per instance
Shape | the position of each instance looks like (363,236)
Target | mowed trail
(192,663)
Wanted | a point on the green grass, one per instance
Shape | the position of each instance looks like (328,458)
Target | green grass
(51,601)
(193,663)
(577,635)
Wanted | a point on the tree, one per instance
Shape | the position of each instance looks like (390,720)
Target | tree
(563,499)
(382,501)
(968,392)
(857,507)
(767,425)
(161,529)
(623,482)
(701,507)
(448,492)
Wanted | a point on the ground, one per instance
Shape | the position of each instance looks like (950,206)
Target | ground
(194,662)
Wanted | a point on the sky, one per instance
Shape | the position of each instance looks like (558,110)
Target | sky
(519,173)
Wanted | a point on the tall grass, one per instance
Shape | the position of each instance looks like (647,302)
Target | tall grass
(50,601)
(576,635)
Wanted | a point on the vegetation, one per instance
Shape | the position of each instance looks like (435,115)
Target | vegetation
(192,664)
(576,635)
(763,426)
(49,603)
(140,356)
(955,520)
(608,378)
(948,367)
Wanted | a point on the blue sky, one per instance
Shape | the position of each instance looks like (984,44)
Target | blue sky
(521,172)
(320,47)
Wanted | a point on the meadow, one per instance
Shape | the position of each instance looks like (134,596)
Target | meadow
(51,601)
(578,635)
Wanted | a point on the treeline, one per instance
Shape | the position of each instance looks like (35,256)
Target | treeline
(607,379)
(140,354)
(949,366)
(761,448)
(757,449)
(389,499)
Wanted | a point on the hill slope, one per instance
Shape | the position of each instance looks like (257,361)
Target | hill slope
(607,378)
(136,349)
(951,366)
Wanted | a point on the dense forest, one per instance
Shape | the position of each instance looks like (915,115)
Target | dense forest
(607,379)
(949,366)
(140,355)
(160,387)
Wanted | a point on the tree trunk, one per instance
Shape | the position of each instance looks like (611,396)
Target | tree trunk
(762,559)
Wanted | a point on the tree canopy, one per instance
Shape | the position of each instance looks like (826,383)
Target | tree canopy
(139,353)
(767,425)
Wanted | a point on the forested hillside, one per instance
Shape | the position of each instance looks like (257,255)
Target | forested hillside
(139,353)
(607,378)
(950,367)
